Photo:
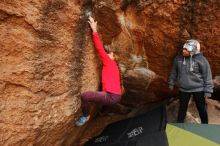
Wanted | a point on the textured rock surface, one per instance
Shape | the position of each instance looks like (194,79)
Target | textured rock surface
(47,58)
(44,50)
(216,94)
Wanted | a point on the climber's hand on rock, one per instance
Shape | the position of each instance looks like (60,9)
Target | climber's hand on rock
(93,24)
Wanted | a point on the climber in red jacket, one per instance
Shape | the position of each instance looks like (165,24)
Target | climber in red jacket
(111,86)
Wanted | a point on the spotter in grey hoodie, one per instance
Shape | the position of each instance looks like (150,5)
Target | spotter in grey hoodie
(193,73)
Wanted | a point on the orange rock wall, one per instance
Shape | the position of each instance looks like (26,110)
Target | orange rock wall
(47,57)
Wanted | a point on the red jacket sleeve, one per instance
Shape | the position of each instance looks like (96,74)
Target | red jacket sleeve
(100,49)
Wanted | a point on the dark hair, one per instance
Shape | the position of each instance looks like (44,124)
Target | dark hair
(108,49)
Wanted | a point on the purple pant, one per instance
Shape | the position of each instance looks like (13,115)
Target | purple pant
(102,98)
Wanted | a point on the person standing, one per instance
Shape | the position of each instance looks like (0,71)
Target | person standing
(193,72)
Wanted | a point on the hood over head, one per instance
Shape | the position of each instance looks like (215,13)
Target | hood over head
(193,46)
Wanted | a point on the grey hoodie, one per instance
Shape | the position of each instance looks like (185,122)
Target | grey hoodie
(193,73)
